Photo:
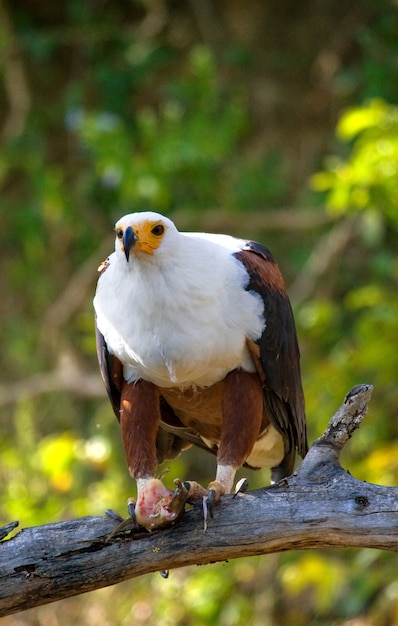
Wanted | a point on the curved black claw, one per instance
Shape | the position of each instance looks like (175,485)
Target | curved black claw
(208,504)
(130,523)
(211,500)
(114,515)
(241,486)
(131,509)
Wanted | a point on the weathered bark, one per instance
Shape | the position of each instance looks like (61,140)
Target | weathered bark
(320,506)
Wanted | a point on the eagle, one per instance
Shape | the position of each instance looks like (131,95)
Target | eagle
(197,344)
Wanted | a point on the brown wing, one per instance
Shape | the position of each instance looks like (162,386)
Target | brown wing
(111,371)
(276,353)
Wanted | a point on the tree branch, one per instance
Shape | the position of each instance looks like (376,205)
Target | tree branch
(320,506)
(327,251)
(68,375)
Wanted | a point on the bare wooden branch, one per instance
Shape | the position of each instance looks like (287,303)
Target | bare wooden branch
(329,248)
(68,375)
(281,219)
(75,292)
(320,506)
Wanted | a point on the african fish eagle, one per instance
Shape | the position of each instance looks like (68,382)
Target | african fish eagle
(197,345)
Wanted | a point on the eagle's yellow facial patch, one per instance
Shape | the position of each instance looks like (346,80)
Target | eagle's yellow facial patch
(149,235)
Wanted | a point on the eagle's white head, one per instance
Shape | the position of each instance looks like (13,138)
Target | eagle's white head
(145,233)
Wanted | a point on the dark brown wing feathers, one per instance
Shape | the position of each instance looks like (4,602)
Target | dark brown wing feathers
(111,371)
(277,354)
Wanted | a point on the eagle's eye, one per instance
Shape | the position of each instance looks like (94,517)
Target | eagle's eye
(158,230)
(119,233)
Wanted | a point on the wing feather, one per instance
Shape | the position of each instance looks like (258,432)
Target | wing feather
(276,353)
(111,371)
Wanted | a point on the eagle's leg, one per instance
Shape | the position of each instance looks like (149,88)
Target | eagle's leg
(139,420)
(242,410)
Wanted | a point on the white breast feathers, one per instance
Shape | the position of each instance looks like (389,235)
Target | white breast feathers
(181,316)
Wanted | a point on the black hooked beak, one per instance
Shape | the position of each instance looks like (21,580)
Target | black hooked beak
(129,240)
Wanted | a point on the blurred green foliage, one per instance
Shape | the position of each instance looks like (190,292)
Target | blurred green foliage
(362,186)
(366,180)
(123,115)
(177,155)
